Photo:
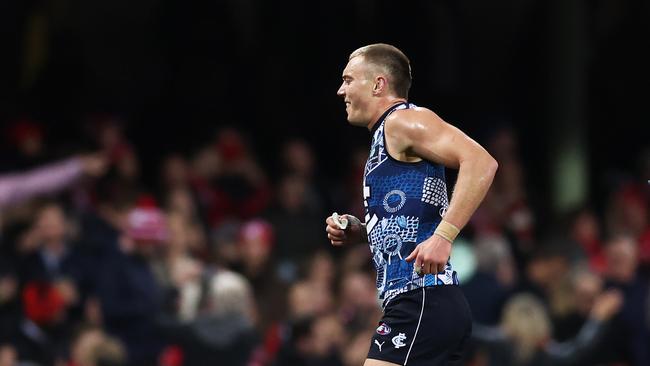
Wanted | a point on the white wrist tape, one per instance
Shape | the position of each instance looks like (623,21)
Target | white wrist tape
(340,221)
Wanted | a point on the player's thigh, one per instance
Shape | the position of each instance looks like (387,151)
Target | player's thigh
(373,362)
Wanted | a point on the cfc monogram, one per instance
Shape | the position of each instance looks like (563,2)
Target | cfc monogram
(399,339)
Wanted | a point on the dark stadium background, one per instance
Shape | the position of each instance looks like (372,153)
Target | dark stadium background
(569,78)
(177,70)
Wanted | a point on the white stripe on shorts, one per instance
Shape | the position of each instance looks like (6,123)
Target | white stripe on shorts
(416,328)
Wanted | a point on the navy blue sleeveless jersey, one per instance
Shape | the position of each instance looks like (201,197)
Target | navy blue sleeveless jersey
(404,203)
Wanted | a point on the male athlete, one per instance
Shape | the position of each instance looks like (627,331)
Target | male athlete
(409,223)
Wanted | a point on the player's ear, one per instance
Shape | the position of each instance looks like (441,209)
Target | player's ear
(380,85)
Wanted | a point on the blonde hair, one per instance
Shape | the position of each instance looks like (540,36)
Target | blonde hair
(526,322)
(393,61)
(230,293)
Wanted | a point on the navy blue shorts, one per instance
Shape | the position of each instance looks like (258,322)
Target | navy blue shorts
(424,327)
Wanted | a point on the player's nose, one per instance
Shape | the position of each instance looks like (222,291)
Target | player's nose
(341,91)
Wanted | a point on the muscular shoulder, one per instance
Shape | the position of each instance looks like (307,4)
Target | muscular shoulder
(412,123)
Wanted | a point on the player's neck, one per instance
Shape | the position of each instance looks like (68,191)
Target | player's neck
(382,107)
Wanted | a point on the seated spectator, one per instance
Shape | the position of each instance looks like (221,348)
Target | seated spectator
(54,283)
(256,241)
(312,341)
(488,288)
(126,287)
(240,190)
(305,300)
(584,288)
(177,271)
(584,229)
(358,305)
(223,332)
(631,337)
(524,334)
(295,223)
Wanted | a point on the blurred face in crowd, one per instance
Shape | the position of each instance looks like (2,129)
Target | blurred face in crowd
(585,227)
(231,146)
(292,191)
(628,213)
(207,163)
(31,146)
(28,137)
(175,171)
(298,158)
(622,259)
(545,271)
(306,299)
(147,232)
(51,224)
(322,269)
(181,202)
(328,335)
(504,144)
(110,134)
(358,290)
(526,322)
(586,287)
(255,245)
(128,165)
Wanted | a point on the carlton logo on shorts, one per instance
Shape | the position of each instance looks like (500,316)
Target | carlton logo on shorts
(383,329)
(399,339)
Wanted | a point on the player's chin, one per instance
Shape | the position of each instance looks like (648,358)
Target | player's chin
(355,121)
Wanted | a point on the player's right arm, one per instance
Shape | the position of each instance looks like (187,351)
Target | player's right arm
(354,233)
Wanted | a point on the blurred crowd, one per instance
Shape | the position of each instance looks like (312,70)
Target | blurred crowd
(225,261)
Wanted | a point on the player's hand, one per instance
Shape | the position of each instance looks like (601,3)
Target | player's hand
(431,255)
(352,234)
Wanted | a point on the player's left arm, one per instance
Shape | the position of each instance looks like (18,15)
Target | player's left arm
(421,133)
